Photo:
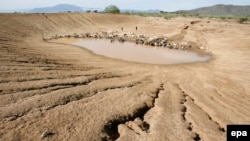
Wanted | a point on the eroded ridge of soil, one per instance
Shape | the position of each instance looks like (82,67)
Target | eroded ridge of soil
(55,91)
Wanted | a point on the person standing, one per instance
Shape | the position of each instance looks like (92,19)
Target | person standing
(136,28)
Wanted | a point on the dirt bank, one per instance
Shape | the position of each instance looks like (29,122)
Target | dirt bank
(63,92)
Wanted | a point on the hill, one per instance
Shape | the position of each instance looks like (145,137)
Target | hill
(57,8)
(220,9)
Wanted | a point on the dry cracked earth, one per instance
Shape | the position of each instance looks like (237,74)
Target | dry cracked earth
(56,91)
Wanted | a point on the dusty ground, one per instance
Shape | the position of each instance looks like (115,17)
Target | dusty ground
(76,95)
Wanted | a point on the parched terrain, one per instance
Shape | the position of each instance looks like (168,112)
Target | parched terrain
(55,91)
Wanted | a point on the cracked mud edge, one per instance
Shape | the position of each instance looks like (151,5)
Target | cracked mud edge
(184,110)
(221,129)
(111,127)
(73,84)
(68,99)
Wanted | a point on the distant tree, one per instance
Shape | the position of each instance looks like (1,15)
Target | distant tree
(161,12)
(112,9)
(88,11)
(95,11)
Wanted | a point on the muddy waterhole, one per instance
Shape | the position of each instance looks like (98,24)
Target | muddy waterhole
(129,51)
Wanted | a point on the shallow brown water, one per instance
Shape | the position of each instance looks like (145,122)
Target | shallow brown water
(129,51)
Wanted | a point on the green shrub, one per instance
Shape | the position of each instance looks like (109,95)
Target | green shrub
(243,19)
(112,9)
(223,17)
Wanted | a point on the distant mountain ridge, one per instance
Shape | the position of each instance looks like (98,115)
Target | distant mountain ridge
(57,8)
(220,9)
(73,8)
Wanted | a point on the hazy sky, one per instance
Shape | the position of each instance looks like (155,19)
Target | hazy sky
(166,5)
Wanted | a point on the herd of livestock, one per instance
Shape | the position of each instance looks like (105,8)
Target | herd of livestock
(122,37)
